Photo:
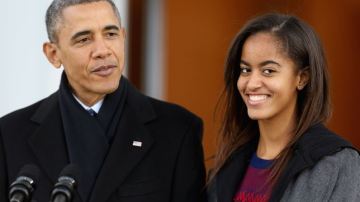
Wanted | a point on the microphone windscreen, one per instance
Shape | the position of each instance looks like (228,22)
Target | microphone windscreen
(31,171)
(23,186)
(72,171)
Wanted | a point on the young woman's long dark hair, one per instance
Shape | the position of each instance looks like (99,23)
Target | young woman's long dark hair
(303,46)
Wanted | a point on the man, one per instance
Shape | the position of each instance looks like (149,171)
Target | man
(128,147)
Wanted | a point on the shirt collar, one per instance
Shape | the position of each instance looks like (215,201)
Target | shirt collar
(96,107)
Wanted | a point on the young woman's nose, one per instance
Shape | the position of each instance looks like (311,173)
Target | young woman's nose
(254,81)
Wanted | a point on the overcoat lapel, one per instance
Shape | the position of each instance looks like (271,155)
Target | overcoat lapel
(48,143)
(123,156)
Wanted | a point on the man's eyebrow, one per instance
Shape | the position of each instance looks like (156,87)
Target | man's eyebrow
(81,33)
(111,27)
(87,32)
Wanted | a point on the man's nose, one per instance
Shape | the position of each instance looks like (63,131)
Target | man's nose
(101,49)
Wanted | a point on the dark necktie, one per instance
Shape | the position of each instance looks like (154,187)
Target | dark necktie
(91,112)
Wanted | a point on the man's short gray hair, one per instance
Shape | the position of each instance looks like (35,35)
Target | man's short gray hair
(54,14)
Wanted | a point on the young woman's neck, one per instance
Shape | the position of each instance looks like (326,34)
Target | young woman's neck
(275,134)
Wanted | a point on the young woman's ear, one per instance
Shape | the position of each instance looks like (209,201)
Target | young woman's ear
(304,76)
(51,52)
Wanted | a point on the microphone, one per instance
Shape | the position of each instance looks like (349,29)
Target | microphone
(66,184)
(22,188)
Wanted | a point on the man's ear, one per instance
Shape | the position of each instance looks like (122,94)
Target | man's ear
(304,76)
(51,51)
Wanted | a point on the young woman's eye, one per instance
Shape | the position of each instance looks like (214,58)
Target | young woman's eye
(244,70)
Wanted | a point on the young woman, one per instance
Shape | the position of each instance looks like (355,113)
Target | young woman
(273,145)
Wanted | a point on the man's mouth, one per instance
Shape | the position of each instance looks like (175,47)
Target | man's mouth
(104,70)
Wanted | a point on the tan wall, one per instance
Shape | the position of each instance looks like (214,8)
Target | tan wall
(198,34)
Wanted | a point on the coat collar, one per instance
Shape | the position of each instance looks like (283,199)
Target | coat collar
(49,146)
(313,145)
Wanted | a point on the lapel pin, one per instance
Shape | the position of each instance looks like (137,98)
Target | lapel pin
(137,143)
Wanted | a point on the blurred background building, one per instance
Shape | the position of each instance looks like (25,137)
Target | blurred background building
(176,51)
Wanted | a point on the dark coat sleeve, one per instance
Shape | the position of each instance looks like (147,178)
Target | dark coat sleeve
(189,179)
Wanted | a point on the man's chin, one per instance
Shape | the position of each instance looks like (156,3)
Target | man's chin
(108,87)
(108,90)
